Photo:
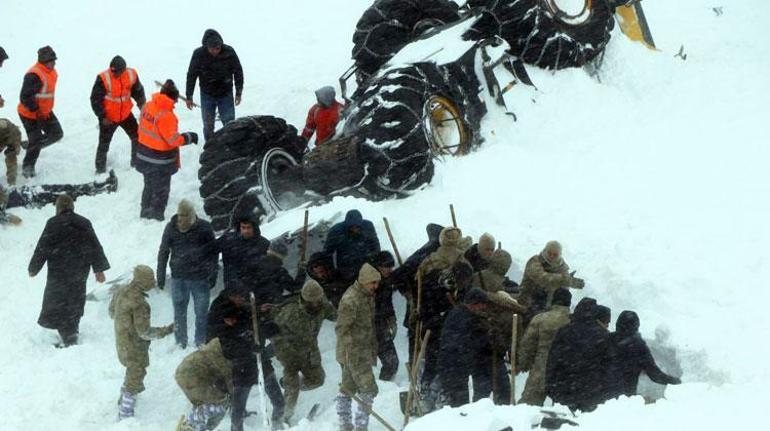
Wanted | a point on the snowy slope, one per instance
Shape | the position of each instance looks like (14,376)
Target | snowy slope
(654,179)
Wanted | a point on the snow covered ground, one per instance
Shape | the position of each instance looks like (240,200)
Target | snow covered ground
(655,180)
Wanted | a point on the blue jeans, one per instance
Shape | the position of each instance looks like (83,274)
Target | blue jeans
(209,107)
(180,294)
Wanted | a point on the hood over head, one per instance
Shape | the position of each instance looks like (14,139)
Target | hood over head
(64,203)
(212,39)
(500,262)
(325,96)
(354,218)
(628,323)
(144,278)
(434,231)
(585,310)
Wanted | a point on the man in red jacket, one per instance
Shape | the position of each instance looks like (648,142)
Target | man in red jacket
(323,117)
(111,102)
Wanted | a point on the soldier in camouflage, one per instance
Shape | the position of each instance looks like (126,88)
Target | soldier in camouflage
(357,349)
(296,345)
(131,312)
(205,376)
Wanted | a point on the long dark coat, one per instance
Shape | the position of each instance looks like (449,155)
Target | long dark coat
(70,247)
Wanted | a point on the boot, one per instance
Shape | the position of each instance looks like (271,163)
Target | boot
(28,171)
(238,412)
(361,419)
(184,425)
(345,412)
(127,404)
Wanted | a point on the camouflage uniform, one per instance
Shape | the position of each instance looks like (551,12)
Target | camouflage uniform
(534,348)
(10,141)
(542,278)
(205,377)
(296,346)
(131,312)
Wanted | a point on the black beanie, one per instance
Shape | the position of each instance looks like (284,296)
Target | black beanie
(169,89)
(118,64)
(45,54)
(382,259)
(562,296)
(603,314)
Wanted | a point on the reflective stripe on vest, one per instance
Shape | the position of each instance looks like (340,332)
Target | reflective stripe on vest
(149,159)
(107,79)
(152,134)
(43,94)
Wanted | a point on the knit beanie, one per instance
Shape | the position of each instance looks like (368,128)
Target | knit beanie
(45,54)
(487,242)
(552,246)
(368,274)
(312,292)
(500,262)
(118,64)
(562,296)
(169,89)
(144,278)
(64,203)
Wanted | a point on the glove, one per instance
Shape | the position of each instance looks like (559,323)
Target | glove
(578,283)
(675,381)
(191,138)
(168,329)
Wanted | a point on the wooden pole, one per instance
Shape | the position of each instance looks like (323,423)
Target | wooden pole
(454,218)
(392,242)
(410,397)
(514,336)
(494,374)
(371,411)
(303,250)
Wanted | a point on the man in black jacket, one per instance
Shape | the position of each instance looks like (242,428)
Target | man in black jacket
(320,267)
(267,278)
(111,102)
(385,315)
(241,246)
(191,244)
(628,357)
(350,242)
(216,65)
(70,247)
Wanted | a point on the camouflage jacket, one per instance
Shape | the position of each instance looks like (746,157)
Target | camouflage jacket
(534,347)
(356,340)
(297,340)
(131,312)
(541,279)
(206,375)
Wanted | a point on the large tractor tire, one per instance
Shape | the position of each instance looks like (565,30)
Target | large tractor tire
(406,118)
(388,25)
(550,34)
(248,167)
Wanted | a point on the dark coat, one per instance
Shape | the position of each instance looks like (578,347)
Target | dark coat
(193,253)
(351,250)
(29,88)
(267,279)
(628,357)
(435,302)
(473,257)
(334,285)
(577,361)
(216,74)
(463,341)
(239,253)
(70,247)
(404,276)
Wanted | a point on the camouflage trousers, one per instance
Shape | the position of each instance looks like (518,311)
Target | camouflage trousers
(10,141)
(358,380)
(313,376)
(134,379)
(206,416)
(534,389)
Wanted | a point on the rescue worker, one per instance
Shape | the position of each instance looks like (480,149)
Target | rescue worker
(296,345)
(157,156)
(544,273)
(320,267)
(36,102)
(131,312)
(241,247)
(323,117)
(10,142)
(111,102)
(536,344)
(385,326)
(205,377)
(350,242)
(478,255)
(664,353)
(357,349)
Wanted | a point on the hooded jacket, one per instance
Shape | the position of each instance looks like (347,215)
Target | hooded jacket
(238,253)
(351,250)
(216,74)
(334,285)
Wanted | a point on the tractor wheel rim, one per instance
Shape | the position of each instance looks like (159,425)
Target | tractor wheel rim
(572,12)
(444,127)
(276,182)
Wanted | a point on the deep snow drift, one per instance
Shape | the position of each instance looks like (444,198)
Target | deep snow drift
(655,179)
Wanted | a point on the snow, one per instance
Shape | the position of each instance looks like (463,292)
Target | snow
(655,179)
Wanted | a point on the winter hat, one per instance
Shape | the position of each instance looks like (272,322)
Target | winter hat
(433,230)
(552,246)
(487,242)
(64,203)
(368,274)
(382,259)
(118,64)
(45,54)
(312,292)
(450,236)
(3,54)
(185,216)
(584,310)
(500,262)
(603,314)
(144,278)
(325,95)
(628,323)
(278,249)
(212,39)
(562,296)
(169,89)
(354,218)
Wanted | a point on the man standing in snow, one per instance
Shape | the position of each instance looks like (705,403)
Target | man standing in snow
(350,242)
(191,245)
(478,255)
(323,117)
(10,137)
(534,347)
(217,67)
(157,156)
(385,315)
(544,273)
(133,333)
(320,267)
(357,349)
(36,102)
(241,247)
(70,247)
(111,102)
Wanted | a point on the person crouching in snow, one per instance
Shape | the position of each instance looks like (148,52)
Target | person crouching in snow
(133,333)
(323,117)
(205,376)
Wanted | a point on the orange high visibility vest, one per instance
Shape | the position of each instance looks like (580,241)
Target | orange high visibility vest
(44,97)
(117,102)
(158,131)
